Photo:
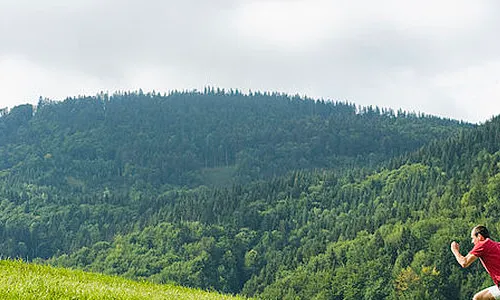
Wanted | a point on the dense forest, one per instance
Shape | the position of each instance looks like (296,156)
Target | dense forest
(261,194)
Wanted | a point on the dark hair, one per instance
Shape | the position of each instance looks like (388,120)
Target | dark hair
(482,230)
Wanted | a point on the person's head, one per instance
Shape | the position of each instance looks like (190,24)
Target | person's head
(479,233)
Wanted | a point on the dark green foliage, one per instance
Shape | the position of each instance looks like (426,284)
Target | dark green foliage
(264,194)
(193,138)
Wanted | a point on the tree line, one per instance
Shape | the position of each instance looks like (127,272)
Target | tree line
(266,195)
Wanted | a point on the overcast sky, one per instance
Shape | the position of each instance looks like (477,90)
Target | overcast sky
(440,57)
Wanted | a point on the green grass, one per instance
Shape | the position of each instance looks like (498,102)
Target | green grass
(20,280)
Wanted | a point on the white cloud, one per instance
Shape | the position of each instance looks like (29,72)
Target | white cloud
(288,25)
(305,24)
(423,56)
(22,81)
(477,88)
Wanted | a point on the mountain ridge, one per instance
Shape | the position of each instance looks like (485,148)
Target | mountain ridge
(233,208)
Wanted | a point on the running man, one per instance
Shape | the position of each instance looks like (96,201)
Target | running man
(488,251)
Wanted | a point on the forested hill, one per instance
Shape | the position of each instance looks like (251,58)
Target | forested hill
(192,138)
(308,235)
(141,185)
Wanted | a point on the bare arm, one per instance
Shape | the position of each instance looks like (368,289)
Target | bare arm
(464,261)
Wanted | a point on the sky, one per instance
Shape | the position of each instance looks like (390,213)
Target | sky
(439,57)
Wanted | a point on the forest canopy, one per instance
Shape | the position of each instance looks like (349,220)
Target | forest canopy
(262,194)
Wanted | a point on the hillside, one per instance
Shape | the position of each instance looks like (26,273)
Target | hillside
(365,235)
(20,280)
(263,195)
(80,171)
(211,138)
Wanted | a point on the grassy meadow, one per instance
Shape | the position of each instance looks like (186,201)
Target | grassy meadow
(20,280)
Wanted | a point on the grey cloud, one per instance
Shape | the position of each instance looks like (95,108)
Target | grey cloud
(110,39)
(105,37)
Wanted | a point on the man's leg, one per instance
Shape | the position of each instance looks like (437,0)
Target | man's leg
(490,293)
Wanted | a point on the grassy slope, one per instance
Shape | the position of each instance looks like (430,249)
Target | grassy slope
(19,280)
